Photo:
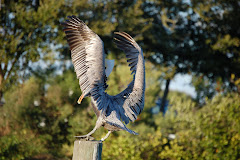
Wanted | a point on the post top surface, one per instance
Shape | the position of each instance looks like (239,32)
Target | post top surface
(89,141)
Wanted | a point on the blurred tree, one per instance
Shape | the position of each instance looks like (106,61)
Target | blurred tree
(181,36)
(25,35)
(164,41)
(106,17)
(46,110)
(186,132)
(47,113)
(203,87)
(17,138)
(30,31)
(218,35)
(200,37)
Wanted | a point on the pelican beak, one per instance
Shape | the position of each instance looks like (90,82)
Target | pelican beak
(80,99)
(109,64)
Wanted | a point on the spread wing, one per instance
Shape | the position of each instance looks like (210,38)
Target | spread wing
(129,103)
(132,98)
(87,54)
(126,43)
(88,58)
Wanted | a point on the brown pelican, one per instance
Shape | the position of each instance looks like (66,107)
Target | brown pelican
(88,57)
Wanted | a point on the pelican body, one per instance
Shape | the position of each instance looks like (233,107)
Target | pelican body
(88,57)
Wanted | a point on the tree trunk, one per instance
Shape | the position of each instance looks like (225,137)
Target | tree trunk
(1,94)
(164,98)
(1,83)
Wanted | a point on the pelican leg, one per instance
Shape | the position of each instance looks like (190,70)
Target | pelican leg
(88,136)
(107,135)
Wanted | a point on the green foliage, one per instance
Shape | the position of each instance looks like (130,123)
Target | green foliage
(40,116)
(211,132)
(18,140)
(49,111)
(221,40)
(199,37)
(203,87)
(47,114)
(224,44)
(25,35)
(20,144)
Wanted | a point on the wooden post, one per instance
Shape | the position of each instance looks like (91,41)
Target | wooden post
(87,150)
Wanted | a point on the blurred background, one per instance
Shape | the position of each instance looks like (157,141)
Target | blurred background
(192,52)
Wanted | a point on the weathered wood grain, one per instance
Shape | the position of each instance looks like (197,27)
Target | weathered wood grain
(87,150)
